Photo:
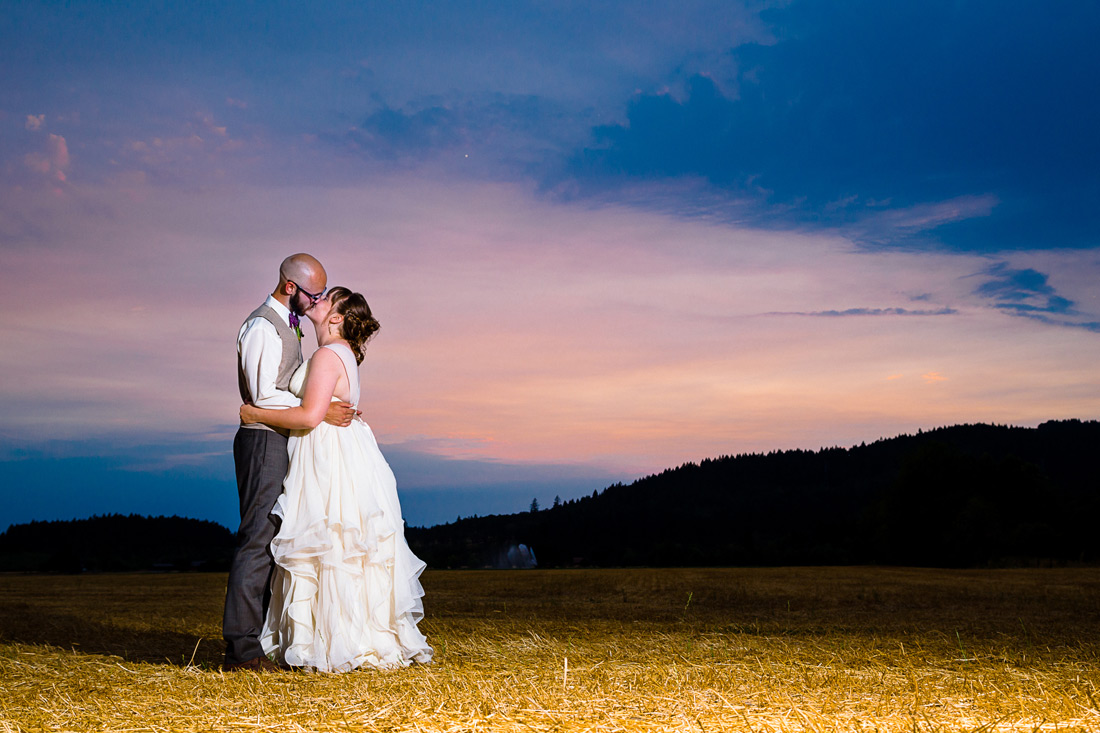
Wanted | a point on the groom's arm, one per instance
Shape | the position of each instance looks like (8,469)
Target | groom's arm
(261,351)
(324,372)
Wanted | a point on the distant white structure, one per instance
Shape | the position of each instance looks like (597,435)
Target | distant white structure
(520,556)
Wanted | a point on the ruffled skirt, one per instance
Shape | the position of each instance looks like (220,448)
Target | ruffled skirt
(346,591)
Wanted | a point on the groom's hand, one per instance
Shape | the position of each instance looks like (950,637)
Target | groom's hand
(340,414)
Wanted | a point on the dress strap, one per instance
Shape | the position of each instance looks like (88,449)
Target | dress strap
(351,368)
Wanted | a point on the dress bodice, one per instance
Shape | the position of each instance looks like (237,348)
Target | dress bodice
(298,380)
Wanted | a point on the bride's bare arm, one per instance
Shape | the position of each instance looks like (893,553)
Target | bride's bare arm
(325,370)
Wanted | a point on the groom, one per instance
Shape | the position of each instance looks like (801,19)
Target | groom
(268,351)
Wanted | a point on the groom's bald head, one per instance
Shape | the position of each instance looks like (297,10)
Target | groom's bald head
(300,272)
(302,269)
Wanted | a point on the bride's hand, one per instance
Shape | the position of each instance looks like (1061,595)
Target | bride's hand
(248,414)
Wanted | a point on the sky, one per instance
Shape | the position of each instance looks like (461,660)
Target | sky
(602,239)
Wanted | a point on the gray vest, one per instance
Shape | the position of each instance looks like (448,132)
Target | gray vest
(291,358)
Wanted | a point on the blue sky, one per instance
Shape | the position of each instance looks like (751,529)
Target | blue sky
(602,239)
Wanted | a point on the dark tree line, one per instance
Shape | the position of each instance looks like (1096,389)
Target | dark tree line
(117,543)
(961,496)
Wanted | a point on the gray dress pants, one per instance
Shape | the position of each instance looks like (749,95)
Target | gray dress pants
(261,461)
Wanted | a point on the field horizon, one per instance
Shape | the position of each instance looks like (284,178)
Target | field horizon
(761,649)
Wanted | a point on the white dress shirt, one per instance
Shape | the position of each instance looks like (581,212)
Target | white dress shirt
(260,351)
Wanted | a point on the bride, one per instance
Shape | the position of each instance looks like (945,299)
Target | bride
(346,591)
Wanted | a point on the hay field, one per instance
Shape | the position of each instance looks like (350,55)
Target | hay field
(789,649)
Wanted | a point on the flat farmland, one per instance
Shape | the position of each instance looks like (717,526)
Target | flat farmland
(762,649)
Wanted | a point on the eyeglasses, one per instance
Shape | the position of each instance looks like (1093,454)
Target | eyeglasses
(312,298)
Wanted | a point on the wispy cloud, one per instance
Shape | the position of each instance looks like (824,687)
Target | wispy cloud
(870,312)
(876,224)
(1021,289)
(1039,314)
(1029,294)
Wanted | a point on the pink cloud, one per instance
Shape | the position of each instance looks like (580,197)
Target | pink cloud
(198,148)
(210,126)
(53,162)
(34,122)
(58,151)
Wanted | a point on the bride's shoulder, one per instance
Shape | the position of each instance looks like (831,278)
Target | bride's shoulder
(332,356)
(339,348)
(325,354)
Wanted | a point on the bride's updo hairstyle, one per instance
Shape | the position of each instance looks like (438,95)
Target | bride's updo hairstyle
(359,325)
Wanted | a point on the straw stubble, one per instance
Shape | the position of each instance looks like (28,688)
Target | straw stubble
(650,650)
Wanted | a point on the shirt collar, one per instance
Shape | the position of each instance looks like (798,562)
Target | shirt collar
(279,308)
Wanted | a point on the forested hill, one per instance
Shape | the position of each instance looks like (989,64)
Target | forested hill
(961,496)
(117,542)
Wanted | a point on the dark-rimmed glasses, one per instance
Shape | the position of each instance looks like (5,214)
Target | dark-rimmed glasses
(312,298)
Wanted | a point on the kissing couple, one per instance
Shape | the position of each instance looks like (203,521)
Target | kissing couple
(322,578)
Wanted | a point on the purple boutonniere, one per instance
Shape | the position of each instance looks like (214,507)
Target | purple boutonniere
(296,325)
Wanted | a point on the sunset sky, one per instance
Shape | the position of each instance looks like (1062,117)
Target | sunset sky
(602,239)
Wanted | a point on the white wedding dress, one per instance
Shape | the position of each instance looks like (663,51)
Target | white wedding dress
(346,591)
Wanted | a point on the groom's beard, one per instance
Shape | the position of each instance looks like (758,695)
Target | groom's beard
(296,305)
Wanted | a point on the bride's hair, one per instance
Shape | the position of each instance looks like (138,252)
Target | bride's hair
(359,325)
